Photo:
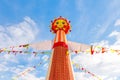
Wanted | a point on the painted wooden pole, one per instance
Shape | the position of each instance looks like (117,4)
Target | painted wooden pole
(60,67)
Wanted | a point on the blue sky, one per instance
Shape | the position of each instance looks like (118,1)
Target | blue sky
(91,18)
(27,21)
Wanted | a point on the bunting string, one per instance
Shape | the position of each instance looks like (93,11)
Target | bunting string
(80,67)
(26,52)
(21,49)
(98,49)
(25,72)
(92,50)
(12,48)
(28,70)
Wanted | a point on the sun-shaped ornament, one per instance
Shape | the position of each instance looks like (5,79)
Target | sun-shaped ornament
(60,24)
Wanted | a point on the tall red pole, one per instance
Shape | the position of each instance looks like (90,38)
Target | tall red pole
(60,66)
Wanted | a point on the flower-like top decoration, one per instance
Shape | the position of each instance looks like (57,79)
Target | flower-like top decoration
(60,24)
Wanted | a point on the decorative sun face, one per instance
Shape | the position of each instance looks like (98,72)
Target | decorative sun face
(60,24)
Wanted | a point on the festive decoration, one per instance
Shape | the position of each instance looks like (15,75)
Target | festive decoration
(98,49)
(60,24)
(80,67)
(26,52)
(67,52)
(21,49)
(60,64)
(92,50)
(26,46)
(28,70)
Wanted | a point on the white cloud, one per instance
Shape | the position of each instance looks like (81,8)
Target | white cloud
(45,58)
(31,77)
(3,68)
(80,76)
(21,33)
(111,12)
(101,43)
(5,60)
(117,23)
(104,65)
(116,34)
(10,58)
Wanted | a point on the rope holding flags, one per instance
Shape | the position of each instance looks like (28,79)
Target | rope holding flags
(12,48)
(26,71)
(21,49)
(26,52)
(98,49)
(92,50)
(79,67)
